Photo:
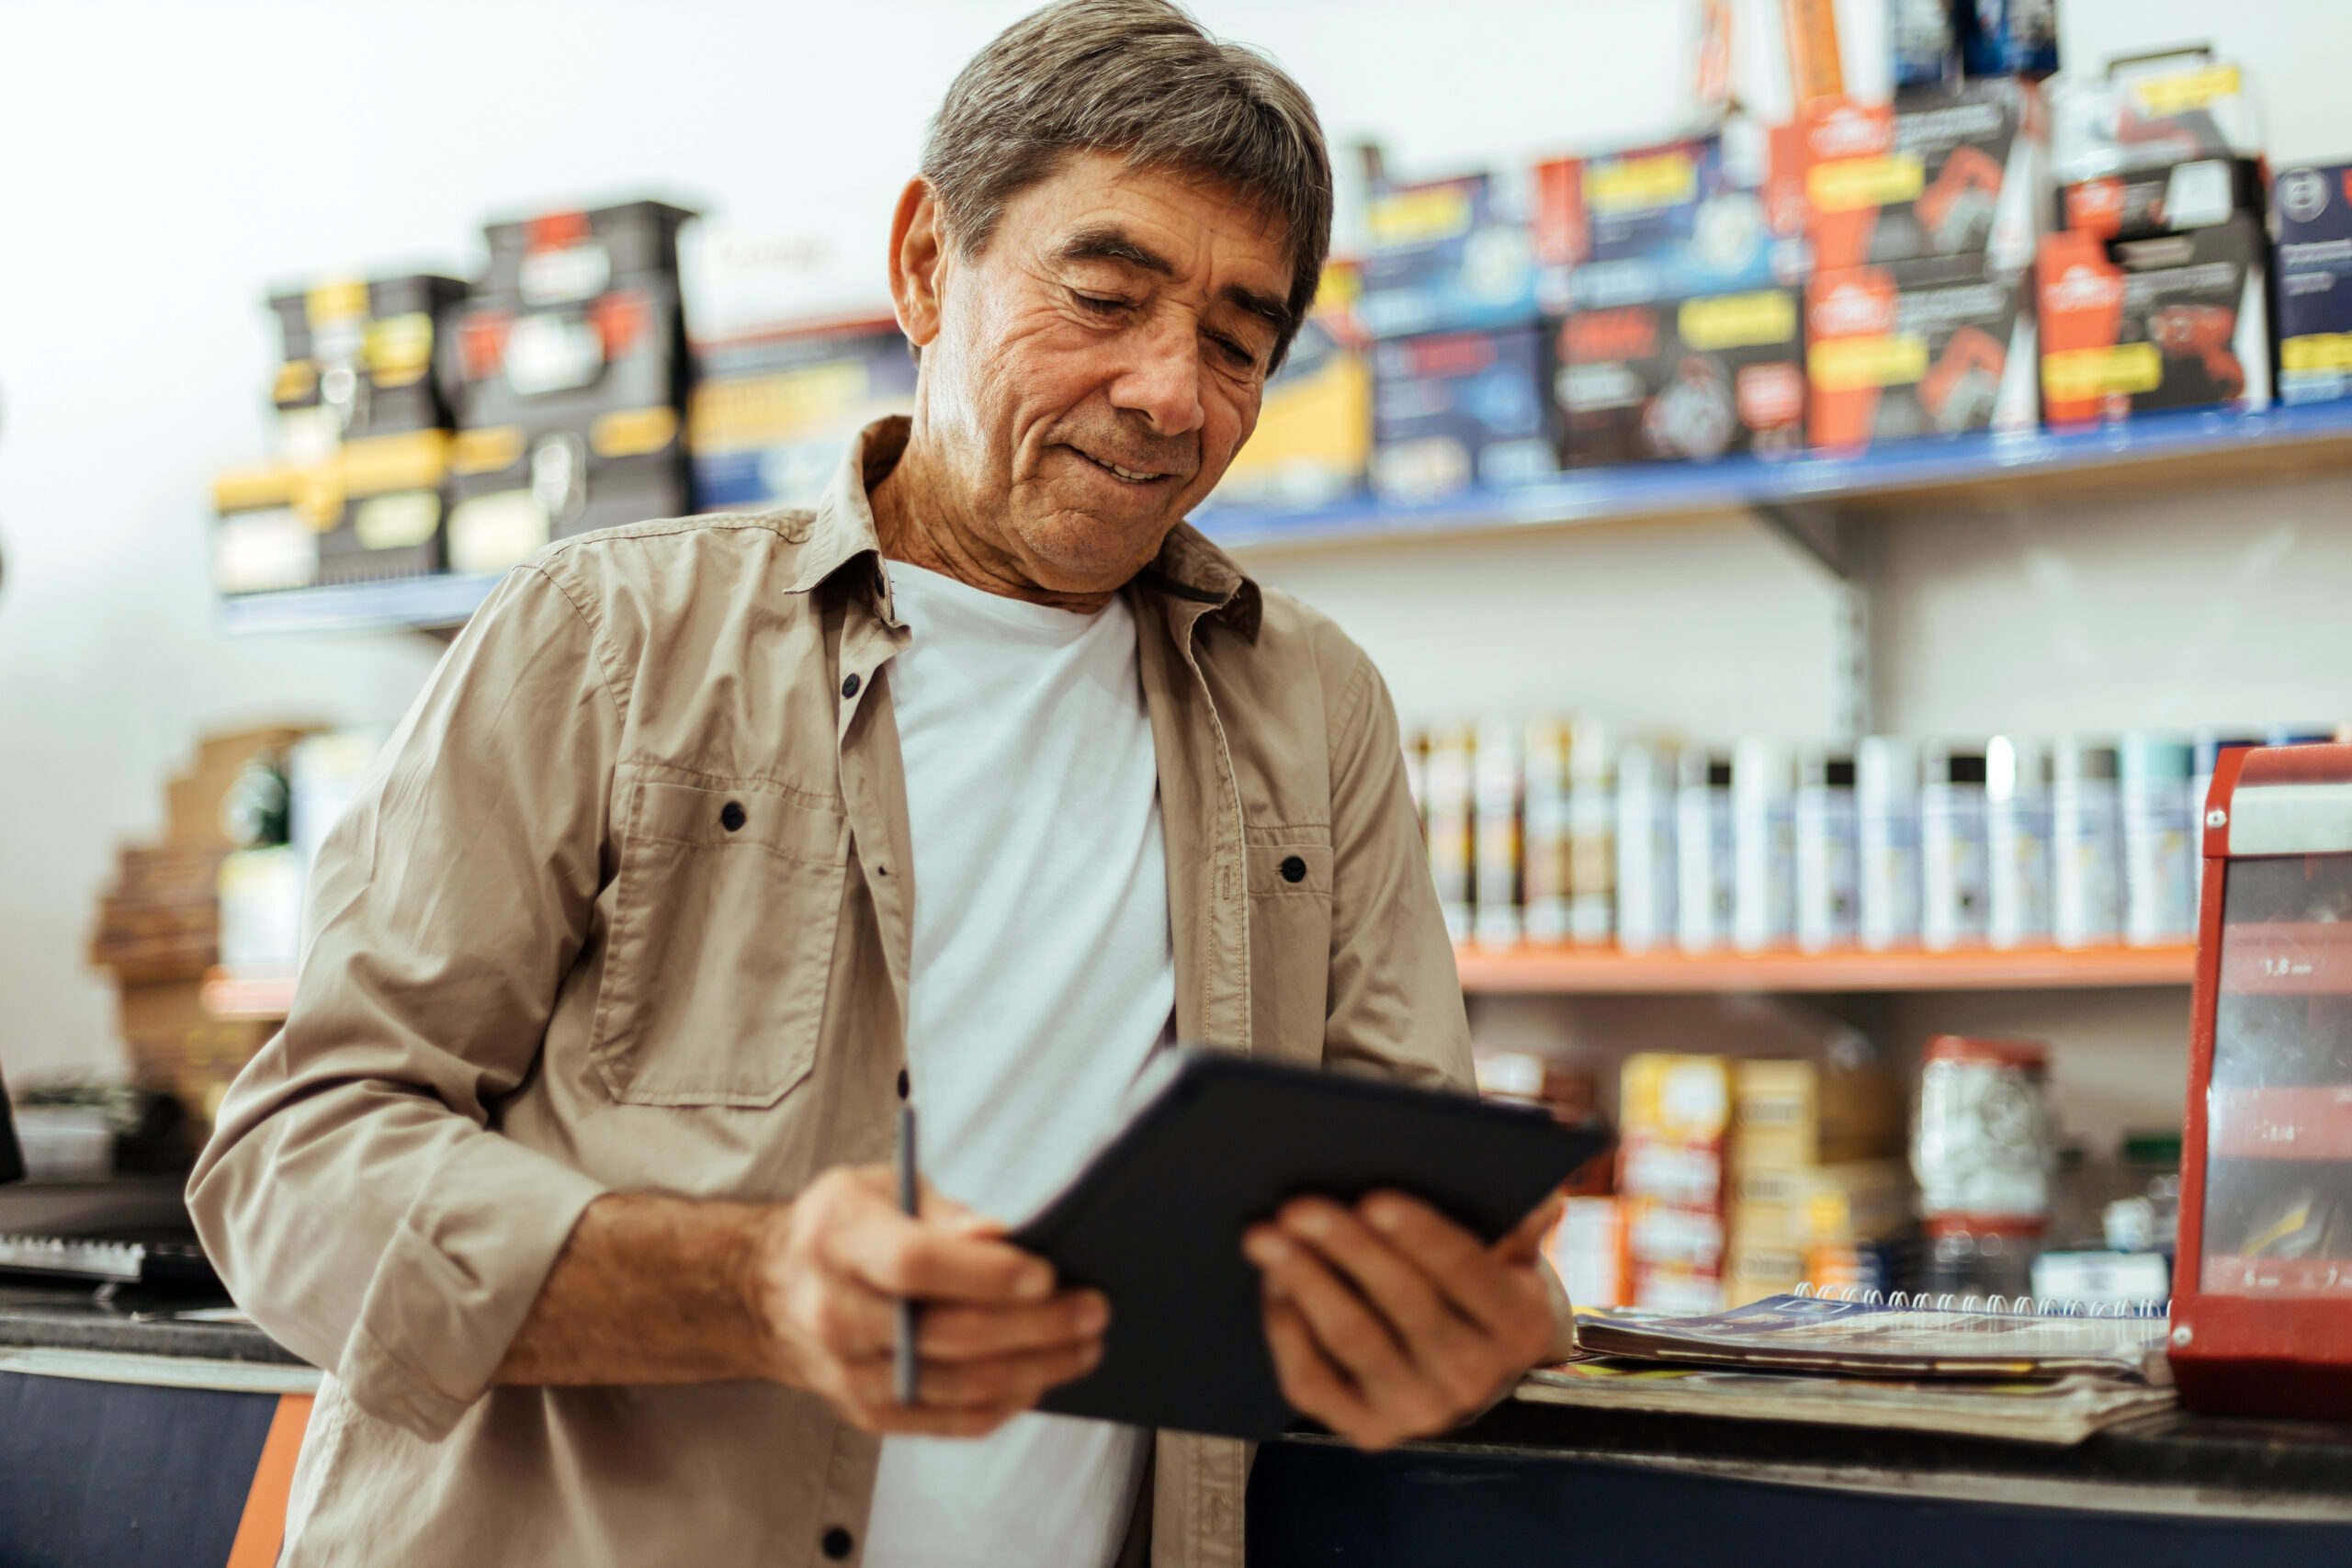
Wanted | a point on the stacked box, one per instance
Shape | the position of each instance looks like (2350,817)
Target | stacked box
(1674,1116)
(1916,348)
(2175,320)
(1810,1168)
(772,415)
(1455,409)
(1313,443)
(2133,205)
(1586,1250)
(1442,260)
(570,367)
(358,359)
(2313,209)
(1692,380)
(1653,224)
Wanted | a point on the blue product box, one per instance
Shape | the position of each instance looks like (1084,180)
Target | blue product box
(1442,261)
(2313,209)
(1450,410)
(771,415)
(1650,224)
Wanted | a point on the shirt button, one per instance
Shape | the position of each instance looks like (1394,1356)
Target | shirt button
(730,816)
(848,689)
(1293,870)
(902,1083)
(836,1544)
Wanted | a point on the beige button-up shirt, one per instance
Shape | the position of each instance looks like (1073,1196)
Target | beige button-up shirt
(542,966)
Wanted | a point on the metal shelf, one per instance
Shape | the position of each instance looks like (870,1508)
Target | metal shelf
(420,603)
(1610,971)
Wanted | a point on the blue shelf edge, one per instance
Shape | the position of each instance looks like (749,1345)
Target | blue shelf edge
(1602,495)
(1597,495)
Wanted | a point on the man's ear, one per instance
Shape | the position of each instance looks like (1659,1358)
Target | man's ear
(918,252)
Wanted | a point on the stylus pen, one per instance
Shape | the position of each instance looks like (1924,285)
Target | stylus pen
(903,1367)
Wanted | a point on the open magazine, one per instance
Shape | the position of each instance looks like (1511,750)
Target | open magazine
(2061,1411)
(1920,1338)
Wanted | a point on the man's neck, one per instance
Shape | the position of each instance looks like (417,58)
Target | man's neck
(916,519)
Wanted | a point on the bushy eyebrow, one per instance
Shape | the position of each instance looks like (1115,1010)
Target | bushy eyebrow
(1108,243)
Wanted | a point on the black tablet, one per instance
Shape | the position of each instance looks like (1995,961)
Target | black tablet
(1217,1143)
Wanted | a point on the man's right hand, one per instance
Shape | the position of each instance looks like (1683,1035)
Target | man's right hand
(826,1274)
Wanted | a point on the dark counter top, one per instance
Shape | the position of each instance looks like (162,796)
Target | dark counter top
(2175,1463)
(70,1317)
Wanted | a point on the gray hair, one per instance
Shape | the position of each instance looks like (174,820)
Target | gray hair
(1142,79)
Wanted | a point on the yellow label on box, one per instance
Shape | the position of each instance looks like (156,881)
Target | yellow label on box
(735,415)
(399,349)
(2072,374)
(2189,90)
(1844,184)
(1632,184)
(413,460)
(487,450)
(338,300)
(2316,351)
(1846,364)
(1416,217)
(633,433)
(249,489)
(397,522)
(1738,320)
(295,378)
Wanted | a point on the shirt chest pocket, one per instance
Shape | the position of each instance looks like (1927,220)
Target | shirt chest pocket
(721,945)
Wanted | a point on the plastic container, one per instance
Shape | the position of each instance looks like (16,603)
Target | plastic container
(1496,770)
(1951,848)
(1645,859)
(1985,1139)
(1763,830)
(1702,850)
(1828,855)
(1546,833)
(2017,841)
(1592,833)
(2159,868)
(1886,799)
(2087,845)
(1447,806)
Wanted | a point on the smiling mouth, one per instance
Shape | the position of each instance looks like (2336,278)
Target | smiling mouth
(1130,475)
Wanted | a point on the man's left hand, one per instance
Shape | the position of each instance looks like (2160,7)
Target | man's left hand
(1388,1321)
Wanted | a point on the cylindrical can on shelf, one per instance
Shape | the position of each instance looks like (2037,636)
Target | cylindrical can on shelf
(1702,850)
(1886,801)
(1827,850)
(1645,863)
(1763,830)
(2087,845)
(2159,852)
(1951,847)
(1592,833)
(2017,841)
(1985,1137)
(1544,837)
(1452,846)
(1496,767)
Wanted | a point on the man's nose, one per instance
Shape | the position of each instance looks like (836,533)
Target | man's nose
(1162,379)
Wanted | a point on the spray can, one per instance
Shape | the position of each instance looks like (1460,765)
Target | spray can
(1764,850)
(1646,865)
(1886,799)
(2205,748)
(1497,767)
(2159,862)
(1592,833)
(1951,848)
(1544,831)
(1702,850)
(2017,841)
(1827,905)
(1453,852)
(2085,844)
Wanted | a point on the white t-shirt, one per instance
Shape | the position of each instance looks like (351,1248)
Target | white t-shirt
(1044,977)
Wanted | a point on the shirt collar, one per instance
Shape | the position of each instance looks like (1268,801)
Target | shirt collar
(1188,567)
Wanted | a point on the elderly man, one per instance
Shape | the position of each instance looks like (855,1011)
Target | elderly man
(712,840)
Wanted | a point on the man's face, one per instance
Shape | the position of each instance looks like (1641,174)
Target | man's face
(1096,365)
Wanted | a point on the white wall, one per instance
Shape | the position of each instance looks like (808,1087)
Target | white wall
(167,162)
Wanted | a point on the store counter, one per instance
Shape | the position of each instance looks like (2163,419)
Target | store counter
(133,1436)
(1539,1485)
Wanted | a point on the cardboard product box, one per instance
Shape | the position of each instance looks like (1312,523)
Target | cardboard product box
(1675,1115)
(2137,203)
(1794,1115)
(2313,209)
(369,509)
(771,415)
(1917,348)
(358,359)
(497,520)
(1944,171)
(1653,223)
(1456,409)
(1443,261)
(1795,1207)
(563,258)
(2179,321)
(1689,380)
(1313,444)
(1586,1250)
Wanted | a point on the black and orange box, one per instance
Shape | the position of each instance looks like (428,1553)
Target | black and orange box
(1686,379)
(2173,321)
(1936,347)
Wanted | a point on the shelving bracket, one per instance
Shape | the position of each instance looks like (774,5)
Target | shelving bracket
(1847,548)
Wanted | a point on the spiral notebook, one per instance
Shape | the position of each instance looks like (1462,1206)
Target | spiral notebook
(1919,1336)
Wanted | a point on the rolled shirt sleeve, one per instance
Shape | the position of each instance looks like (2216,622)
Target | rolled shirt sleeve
(355,1195)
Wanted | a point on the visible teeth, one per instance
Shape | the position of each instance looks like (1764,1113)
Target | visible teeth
(1125,473)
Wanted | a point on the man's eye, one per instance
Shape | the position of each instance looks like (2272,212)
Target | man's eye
(1102,304)
(1234,355)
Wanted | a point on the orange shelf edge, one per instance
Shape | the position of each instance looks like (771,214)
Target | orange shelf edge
(1608,971)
